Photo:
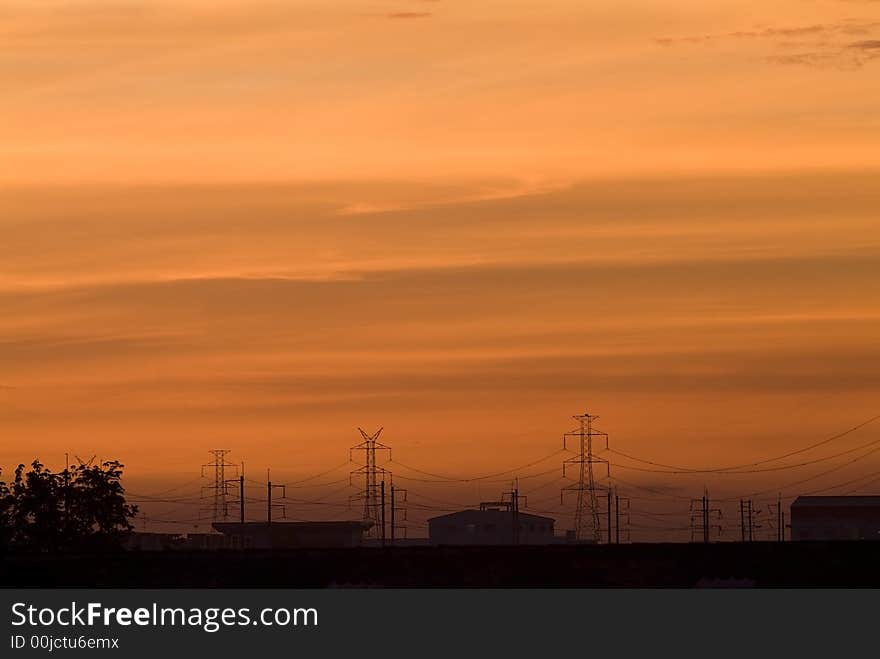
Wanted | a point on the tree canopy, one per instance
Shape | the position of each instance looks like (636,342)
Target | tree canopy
(80,508)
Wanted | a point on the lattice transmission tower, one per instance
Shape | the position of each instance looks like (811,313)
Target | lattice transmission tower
(587,523)
(219,489)
(373,476)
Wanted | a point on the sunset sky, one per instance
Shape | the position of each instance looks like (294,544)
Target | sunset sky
(259,225)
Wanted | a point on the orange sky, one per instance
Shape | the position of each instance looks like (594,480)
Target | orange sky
(259,225)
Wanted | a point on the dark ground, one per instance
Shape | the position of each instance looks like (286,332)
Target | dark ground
(790,564)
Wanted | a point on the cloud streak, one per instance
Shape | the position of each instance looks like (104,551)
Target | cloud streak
(827,48)
(409,14)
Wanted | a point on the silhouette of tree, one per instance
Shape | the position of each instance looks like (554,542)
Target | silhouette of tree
(6,508)
(97,514)
(36,518)
(80,508)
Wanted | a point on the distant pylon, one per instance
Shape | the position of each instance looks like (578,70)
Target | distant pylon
(373,475)
(219,490)
(587,524)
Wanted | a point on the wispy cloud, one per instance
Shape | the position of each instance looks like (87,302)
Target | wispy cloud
(818,45)
(409,14)
(871,44)
(841,27)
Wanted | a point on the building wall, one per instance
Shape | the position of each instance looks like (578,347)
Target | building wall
(154,541)
(489,530)
(837,523)
(284,535)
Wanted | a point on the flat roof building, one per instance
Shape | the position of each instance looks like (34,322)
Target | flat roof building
(836,518)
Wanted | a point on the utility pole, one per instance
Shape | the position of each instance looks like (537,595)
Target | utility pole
(397,512)
(751,518)
(371,473)
(241,497)
(742,520)
(514,511)
(621,518)
(269,504)
(616,519)
(609,516)
(586,516)
(383,513)
(516,534)
(240,482)
(781,520)
(219,490)
(701,510)
(705,518)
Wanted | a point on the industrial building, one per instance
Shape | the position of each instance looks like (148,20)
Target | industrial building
(495,523)
(291,535)
(836,518)
(142,541)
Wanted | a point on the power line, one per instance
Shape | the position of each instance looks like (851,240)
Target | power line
(765,469)
(471,479)
(660,493)
(810,478)
(168,491)
(323,473)
(751,464)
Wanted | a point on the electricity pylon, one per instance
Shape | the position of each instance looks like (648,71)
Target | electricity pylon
(373,475)
(586,516)
(220,488)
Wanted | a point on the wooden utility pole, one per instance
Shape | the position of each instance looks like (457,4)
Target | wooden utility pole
(393,504)
(609,515)
(780,520)
(383,512)
(241,497)
(515,503)
(705,518)
(750,520)
(240,483)
(269,488)
(616,519)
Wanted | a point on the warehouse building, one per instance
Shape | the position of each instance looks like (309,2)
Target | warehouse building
(836,518)
(291,535)
(495,523)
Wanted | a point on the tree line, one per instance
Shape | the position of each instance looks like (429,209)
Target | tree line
(81,508)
